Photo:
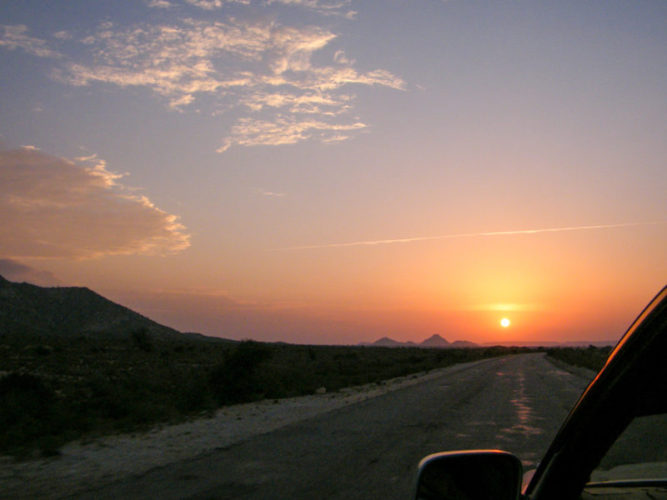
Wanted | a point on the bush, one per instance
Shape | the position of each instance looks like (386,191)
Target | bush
(591,357)
(194,395)
(28,413)
(23,396)
(95,386)
(236,379)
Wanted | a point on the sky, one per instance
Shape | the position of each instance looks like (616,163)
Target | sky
(335,171)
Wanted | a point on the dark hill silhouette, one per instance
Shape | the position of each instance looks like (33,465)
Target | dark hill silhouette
(435,341)
(387,342)
(458,344)
(69,311)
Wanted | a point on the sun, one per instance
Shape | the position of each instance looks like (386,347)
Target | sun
(505,322)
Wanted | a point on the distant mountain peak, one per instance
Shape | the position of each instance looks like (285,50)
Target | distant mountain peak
(435,340)
(387,342)
(436,336)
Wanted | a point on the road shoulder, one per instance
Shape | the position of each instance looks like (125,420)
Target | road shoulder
(85,465)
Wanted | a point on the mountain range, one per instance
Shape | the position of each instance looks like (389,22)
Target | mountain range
(79,311)
(436,341)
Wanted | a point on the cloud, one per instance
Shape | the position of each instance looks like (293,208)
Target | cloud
(197,58)
(341,58)
(272,194)
(159,4)
(200,57)
(15,37)
(264,71)
(51,207)
(62,35)
(15,271)
(325,7)
(475,235)
(214,4)
(284,130)
(307,103)
(176,62)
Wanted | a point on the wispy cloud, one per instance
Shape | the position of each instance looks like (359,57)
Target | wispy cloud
(51,207)
(17,271)
(475,235)
(62,35)
(271,194)
(206,4)
(176,62)
(284,130)
(215,4)
(16,37)
(159,4)
(262,70)
(315,103)
(325,7)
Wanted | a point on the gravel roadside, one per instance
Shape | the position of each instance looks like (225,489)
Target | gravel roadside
(84,465)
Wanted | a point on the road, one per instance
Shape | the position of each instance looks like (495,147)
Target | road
(371,449)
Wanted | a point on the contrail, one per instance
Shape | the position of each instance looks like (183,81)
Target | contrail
(471,235)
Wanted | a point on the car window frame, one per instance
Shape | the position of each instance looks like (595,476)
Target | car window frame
(605,408)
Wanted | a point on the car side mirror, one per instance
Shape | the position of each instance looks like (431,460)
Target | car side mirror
(469,475)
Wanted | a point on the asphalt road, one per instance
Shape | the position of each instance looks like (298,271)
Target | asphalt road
(371,449)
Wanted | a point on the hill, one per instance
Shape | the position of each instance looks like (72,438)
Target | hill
(435,341)
(387,342)
(460,344)
(69,312)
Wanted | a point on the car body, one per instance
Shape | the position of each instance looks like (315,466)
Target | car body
(631,387)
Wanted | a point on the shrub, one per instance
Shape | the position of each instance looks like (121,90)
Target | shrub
(28,412)
(236,379)
(194,395)
(95,386)
(23,395)
(591,357)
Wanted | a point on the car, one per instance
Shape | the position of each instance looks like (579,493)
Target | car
(612,445)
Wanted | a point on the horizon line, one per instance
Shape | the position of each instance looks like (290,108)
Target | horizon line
(469,235)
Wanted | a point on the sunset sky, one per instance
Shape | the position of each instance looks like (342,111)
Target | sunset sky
(335,171)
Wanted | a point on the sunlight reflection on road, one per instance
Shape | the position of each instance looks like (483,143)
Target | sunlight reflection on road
(525,413)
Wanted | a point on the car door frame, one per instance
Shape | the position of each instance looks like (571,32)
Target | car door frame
(628,385)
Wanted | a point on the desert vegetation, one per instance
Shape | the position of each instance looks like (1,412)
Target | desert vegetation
(590,357)
(55,389)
